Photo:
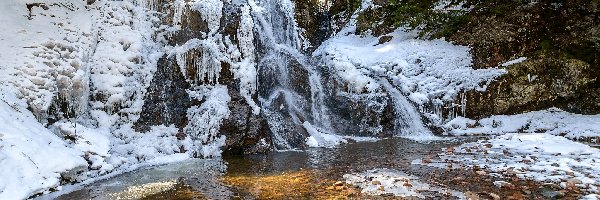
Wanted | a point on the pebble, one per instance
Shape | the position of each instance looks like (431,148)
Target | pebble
(494,196)
(339,183)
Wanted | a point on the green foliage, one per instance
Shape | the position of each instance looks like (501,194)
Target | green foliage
(419,14)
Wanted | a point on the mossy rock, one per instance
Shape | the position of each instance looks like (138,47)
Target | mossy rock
(552,79)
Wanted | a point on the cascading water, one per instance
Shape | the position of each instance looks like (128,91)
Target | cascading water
(408,121)
(285,98)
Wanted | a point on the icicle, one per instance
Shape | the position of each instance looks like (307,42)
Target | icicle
(246,34)
(178,11)
(211,11)
(245,70)
(181,59)
(205,122)
(463,103)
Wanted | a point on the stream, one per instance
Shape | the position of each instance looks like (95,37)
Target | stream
(305,174)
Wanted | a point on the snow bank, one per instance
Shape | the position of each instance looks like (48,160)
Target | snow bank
(56,54)
(31,157)
(388,181)
(540,157)
(552,121)
(432,73)
(436,68)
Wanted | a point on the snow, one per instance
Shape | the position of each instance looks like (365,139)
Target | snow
(431,73)
(532,156)
(245,71)
(31,157)
(389,181)
(205,120)
(515,61)
(327,140)
(54,59)
(552,121)
(590,197)
(433,68)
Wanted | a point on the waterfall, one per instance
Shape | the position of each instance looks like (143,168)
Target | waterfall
(286,102)
(408,121)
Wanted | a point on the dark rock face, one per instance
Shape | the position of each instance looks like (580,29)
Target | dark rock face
(540,83)
(166,101)
(246,133)
(562,69)
(363,115)
(315,20)
(359,114)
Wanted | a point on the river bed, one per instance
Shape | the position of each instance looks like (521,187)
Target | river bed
(316,173)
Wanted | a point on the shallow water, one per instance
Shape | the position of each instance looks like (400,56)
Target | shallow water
(279,175)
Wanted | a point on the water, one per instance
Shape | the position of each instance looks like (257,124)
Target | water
(305,174)
(287,99)
(408,120)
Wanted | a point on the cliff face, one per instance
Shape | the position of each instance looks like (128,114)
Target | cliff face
(560,42)
(261,58)
(558,39)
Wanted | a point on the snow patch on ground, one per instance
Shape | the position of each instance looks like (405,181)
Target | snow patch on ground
(31,157)
(540,157)
(83,70)
(552,121)
(389,181)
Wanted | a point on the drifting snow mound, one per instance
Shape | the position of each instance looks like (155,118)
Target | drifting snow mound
(552,121)
(31,157)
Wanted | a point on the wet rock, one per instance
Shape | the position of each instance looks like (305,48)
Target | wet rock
(339,183)
(166,101)
(494,196)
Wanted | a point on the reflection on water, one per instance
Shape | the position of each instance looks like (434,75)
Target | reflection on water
(306,174)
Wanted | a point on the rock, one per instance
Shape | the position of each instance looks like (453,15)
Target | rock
(376,182)
(516,196)
(339,183)
(385,38)
(472,195)
(407,184)
(526,161)
(494,196)
(426,161)
(481,173)
(574,181)
(450,150)
(381,188)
